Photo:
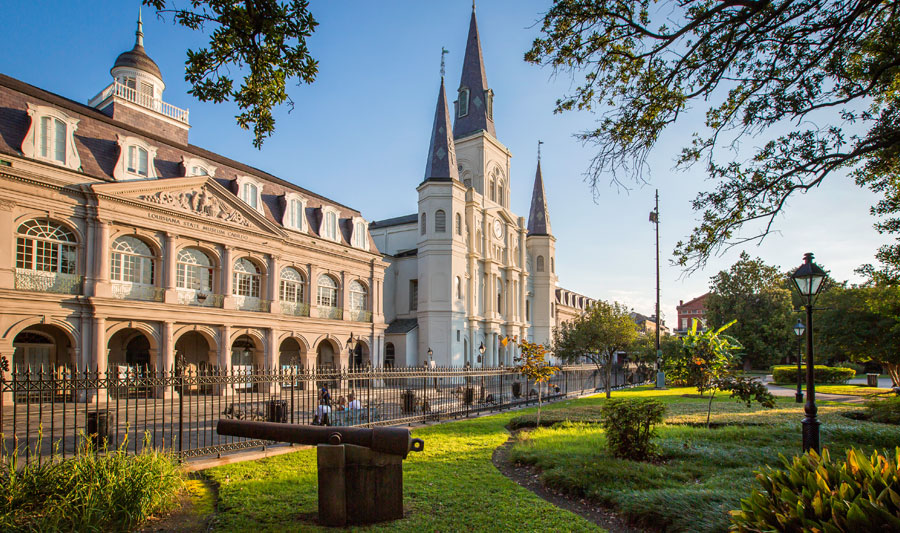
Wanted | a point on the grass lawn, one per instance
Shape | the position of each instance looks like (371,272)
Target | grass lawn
(451,486)
(847,390)
(702,474)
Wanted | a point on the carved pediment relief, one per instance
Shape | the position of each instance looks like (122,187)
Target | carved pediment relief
(198,201)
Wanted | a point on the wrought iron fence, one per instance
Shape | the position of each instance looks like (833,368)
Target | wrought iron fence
(42,411)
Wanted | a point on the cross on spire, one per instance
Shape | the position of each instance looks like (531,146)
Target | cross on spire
(444,52)
(539,149)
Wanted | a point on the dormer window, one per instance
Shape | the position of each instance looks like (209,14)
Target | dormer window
(250,191)
(463,107)
(135,159)
(193,166)
(294,212)
(51,137)
(329,228)
(489,103)
(360,234)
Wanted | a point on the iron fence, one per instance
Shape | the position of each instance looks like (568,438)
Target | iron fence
(56,411)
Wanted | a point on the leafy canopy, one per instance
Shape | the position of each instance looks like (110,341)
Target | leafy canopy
(265,39)
(818,81)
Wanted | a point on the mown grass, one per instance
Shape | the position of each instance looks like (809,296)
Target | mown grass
(451,486)
(701,474)
(852,390)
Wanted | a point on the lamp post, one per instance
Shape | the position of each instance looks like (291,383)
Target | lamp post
(799,328)
(808,280)
(351,344)
(481,354)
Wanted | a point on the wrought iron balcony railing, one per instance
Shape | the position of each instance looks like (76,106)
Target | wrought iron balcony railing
(39,281)
(334,313)
(295,308)
(135,291)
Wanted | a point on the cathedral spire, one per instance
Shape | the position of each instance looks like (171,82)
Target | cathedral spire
(539,215)
(139,34)
(441,163)
(474,106)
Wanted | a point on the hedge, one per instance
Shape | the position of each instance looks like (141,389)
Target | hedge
(787,374)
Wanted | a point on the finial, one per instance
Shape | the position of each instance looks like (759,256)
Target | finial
(444,52)
(139,34)
(473,6)
(539,149)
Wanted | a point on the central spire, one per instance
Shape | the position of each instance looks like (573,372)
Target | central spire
(139,34)
(539,214)
(441,163)
(474,107)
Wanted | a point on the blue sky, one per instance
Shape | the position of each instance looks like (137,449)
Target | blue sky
(359,134)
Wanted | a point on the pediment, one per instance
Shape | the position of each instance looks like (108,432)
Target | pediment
(199,196)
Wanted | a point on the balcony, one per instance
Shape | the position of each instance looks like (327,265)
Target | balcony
(251,303)
(199,299)
(295,308)
(334,313)
(144,100)
(135,291)
(360,316)
(39,281)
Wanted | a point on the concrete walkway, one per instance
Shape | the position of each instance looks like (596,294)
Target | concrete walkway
(786,392)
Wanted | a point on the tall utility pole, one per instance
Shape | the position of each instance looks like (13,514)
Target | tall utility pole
(660,375)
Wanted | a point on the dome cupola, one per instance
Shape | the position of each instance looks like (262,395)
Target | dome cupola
(135,69)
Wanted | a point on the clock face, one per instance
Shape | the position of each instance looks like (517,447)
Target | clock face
(498,228)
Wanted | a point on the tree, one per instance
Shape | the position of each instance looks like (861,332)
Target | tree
(264,38)
(532,365)
(597,335)
(754,294)
(816,80)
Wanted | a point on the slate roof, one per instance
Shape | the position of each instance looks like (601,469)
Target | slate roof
(441,162)
(396,221)
(539,214)
(402,325)
(474,77)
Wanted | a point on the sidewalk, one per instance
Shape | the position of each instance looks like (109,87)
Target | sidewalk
(785,392)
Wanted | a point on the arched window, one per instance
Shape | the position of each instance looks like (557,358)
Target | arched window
(194,270)
(500,193)
(132,261)
(292,283)
(499,296)
(527,310)
(463,107)
(46,246)
(327,291)
(493,191)
(331,226)
(52,140)
(458,224)
(137,161)
(247,278)
(250,194)
(360,236)
(389,355)
(440,221)
(459,288)
(540,263)
(358,296)
(424,228)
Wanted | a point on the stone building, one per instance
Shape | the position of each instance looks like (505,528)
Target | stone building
(127,246)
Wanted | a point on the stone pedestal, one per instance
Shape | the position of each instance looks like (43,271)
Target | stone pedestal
(358,485)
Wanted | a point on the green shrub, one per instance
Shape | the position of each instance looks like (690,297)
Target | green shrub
(107,491)
(629,425)
(786,374)
(886,411)
(813,493)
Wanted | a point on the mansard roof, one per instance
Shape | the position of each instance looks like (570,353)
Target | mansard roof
(539,214)
(396,221)
(474,78)
(441,162)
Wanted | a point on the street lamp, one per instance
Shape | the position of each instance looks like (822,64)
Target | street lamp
(351,344)
(799,328)
(481,353)
(808,279)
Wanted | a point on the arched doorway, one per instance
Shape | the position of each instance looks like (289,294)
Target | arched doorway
(243,361)
(327,356)
(389,355)
(291,355)
(194,354)
(42,351)
(129,351)
(360,355)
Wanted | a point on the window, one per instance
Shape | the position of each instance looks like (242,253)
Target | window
(489,103)
(551,309)
(327,296)
(413,294)
(358,296)
(292,283)
(459,291)
(459,224)
(330,225)
(499,296)
(500,196)
(194,270)
(46,246)
(294,212)
(247,278)
(132,261)
(194,166)
(440,221)
(684,323)
(250,191)
(51,137)
(360,234)
(493,192)
(423,224)
(540,263)
(135,159)
(463,108)
(552,265)
(527,310)
(389,355)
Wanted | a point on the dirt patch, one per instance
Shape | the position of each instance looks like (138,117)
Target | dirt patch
(194,513)
(529,477)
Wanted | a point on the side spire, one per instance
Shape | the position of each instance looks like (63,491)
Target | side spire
(475,104)
(441,162)
(539,214)
(139,34)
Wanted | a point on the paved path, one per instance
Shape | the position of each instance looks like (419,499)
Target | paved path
(784,391)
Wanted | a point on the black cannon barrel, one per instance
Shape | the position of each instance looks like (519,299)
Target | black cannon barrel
(394,441)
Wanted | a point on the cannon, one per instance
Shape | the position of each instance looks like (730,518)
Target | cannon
(360,470)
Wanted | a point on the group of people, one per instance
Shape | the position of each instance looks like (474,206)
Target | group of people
(323,411)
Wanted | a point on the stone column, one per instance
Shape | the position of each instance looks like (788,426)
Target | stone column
(272,284)
(102,287)
(344,295)
(99,354)
(89,253)
(169,265)
(166,362)
(227,277)
(225,356)
(312,286)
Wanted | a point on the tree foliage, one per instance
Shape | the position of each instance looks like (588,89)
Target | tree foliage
(816,80)
(754,294)
(266,39)
(604,330)
(533,365)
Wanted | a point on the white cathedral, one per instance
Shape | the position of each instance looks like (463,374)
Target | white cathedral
(465,271)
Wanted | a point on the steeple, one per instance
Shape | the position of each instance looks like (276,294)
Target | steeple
(441,163)
(474,105)
(539,215)
(137,57)
(139,34)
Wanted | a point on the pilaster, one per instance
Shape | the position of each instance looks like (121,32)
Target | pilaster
(102,287)
(170,259)
(227,277)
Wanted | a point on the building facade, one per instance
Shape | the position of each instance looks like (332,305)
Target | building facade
(690,311)
(124,245)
